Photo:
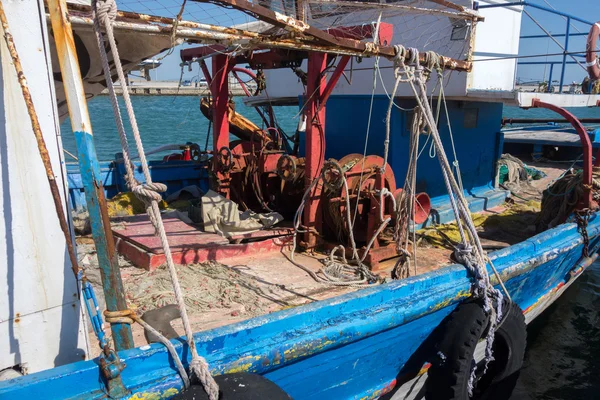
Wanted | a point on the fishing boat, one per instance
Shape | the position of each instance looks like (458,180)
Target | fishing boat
(398,143)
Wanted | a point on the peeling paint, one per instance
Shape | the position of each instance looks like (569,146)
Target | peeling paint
(328,337)
(166,394)
(463,294)
(244,364)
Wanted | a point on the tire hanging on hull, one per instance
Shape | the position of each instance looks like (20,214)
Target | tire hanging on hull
(450,375)
(238,386)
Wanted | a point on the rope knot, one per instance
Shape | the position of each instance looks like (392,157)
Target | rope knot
(106,11)
(414,57)
(118,317)
(199,368)
(400,54)
(432,61)
(148,192)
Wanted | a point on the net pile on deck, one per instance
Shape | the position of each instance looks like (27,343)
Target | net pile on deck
(564,196)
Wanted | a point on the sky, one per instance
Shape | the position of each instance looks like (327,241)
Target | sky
(585,9)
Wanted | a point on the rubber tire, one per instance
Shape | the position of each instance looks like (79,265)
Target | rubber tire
(448,377)
(510,343)
(238,386)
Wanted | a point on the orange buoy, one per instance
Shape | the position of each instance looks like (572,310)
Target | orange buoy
(590,52)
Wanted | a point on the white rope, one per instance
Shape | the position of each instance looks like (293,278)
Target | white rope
(470,252)
(104,14)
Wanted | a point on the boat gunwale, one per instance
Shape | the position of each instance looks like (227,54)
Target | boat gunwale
(451,284)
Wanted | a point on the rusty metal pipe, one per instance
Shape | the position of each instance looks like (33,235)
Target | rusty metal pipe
(80,10)
(182,32)
(585,143)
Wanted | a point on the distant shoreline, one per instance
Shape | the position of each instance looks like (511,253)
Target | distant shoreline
(162,91)
(173,88)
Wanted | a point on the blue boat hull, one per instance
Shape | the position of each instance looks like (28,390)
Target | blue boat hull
(349,347)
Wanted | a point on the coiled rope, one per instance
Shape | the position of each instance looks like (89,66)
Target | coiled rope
(104,13)
(561,198)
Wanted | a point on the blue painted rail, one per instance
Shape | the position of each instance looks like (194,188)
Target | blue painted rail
(175,174)
(568,17)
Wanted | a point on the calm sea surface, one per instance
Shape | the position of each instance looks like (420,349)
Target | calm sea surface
(563,356)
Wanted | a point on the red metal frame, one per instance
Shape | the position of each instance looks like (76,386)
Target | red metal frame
(317,92)
(339,70)
(269,59)
(585,143)
(319,89)
(206,73)
(219,88)
(315,142)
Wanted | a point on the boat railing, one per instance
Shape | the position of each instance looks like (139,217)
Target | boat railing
(566,52)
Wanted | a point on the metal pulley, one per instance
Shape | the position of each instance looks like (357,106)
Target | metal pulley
(264,178)
(286,167)
(224,159)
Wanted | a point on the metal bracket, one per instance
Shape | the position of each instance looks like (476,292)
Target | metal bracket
(110,368)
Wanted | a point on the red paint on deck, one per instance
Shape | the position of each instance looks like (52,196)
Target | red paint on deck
(138,243)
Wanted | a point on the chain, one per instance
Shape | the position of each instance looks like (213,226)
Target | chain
(582,219)
(261,82)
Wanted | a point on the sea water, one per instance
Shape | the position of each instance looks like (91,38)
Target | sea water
(177,120)
(563,353)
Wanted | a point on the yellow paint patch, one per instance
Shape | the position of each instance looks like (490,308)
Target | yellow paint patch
(461,295)
(154,395)
(244,364)
(305,349)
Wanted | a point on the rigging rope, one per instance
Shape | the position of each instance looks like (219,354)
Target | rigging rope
(469,252)
(104,14)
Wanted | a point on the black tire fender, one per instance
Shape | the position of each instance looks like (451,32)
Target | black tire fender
(449,374)
(238,386)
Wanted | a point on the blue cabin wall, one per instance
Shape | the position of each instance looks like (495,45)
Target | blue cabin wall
(478,146)
(478,149)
